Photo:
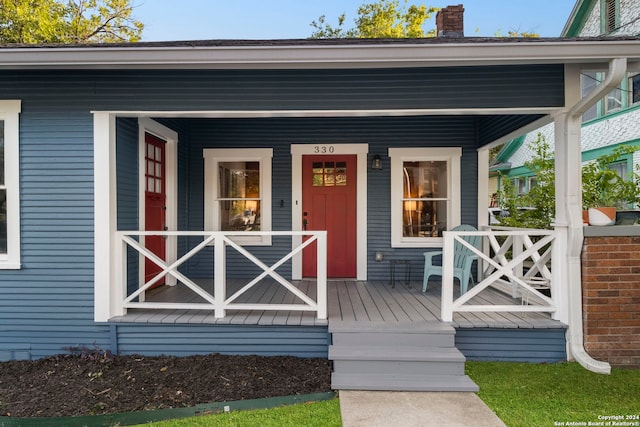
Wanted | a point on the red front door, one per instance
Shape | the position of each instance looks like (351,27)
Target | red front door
(329,203)
(154,201)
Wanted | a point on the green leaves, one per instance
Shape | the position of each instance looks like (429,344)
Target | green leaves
(74,21)
(383,19)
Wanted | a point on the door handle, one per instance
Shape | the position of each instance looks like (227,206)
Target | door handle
(304,224)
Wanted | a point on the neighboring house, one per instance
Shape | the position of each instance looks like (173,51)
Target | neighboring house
(140,178)
(612,122)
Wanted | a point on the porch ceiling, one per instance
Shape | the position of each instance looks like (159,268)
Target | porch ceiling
(490,125)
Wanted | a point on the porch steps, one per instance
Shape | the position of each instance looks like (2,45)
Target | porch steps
(412,356)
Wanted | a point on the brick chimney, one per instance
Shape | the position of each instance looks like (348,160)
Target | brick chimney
(449,21)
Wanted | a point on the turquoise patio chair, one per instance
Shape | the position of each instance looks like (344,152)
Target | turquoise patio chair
(463,259)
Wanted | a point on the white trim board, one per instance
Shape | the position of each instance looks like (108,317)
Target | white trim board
(361,151)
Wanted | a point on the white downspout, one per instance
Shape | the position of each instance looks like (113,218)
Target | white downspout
(571,208)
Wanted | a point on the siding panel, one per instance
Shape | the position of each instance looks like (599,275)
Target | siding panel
(54,288)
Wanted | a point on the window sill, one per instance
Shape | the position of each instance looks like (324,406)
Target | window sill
(10,266)
(434,242)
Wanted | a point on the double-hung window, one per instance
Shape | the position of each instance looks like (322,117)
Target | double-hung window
(9,185)
(425,195)
(238,192)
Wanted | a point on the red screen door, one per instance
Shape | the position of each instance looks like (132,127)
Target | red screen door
(329,203)
(154,202)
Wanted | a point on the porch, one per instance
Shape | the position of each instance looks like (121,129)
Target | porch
(348,301)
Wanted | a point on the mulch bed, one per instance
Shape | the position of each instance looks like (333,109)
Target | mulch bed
(93,383)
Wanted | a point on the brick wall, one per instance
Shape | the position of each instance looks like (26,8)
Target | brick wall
(611,299)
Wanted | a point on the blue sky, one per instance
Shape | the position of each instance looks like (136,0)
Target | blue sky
(280,19)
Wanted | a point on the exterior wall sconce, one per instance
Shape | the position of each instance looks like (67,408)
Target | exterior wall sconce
(379,257)
(376,163)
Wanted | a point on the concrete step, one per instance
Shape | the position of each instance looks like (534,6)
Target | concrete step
(402,382)
(403,360)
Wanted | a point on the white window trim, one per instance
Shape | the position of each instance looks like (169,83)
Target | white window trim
(9,113)
(212,156)
(398,156)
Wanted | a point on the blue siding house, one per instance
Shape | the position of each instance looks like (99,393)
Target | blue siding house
(240,196)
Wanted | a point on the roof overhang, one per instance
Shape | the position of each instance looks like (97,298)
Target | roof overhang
(313,54)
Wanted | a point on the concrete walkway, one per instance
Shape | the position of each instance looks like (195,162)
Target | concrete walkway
(420,409)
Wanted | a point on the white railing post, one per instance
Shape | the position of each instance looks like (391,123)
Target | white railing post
(322,275)
(447,277)
(120,288)
(517,249)
(219,274)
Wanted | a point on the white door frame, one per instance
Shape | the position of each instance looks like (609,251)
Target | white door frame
(360,151)
(146,125)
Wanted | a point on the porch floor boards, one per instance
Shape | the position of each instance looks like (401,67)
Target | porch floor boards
(349,301)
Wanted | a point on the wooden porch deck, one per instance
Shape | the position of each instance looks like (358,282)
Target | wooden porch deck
(348,301)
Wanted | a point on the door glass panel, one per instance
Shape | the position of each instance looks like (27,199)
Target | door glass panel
(150,151)
(329,174)
(318,174)
(150,185)
(158,154)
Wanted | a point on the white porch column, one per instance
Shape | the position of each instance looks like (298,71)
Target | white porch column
(108,295)
(483,187)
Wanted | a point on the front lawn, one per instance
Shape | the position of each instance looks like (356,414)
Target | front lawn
(560,394)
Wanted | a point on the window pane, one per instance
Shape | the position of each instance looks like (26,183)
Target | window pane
(425,179)
(589,81)
(1,152)
(150,151)
(635,88)
(3,221)
(239,180)
(424,219)
(620,168)
(614,100)
(240,215)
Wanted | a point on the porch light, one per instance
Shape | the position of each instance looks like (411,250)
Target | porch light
(379,257)
(376,163)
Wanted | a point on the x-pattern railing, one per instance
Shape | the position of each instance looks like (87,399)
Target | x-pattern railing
(517,258)
(218,301)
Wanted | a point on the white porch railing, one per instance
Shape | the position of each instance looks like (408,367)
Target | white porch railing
(517,261)
(219,302)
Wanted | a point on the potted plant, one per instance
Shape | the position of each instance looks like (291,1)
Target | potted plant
(604,191)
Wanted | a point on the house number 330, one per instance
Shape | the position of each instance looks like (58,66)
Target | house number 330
(323,149)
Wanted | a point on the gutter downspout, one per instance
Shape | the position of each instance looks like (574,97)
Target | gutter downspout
(573,206)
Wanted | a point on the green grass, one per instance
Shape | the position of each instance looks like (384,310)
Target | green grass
(523,394)
(318,414)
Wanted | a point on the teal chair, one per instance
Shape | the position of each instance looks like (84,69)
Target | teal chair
(463,259)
